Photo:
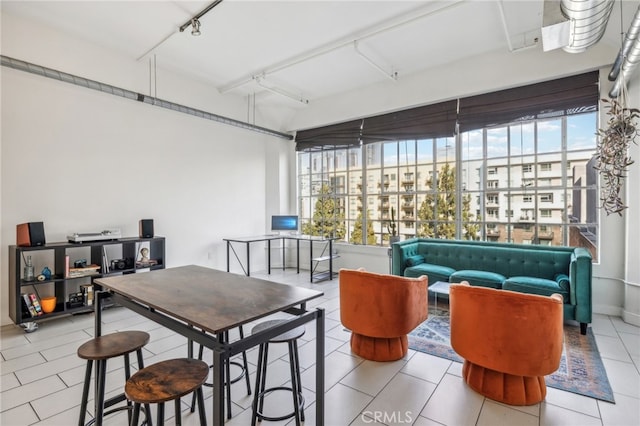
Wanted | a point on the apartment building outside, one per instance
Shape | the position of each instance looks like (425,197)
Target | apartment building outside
(528,183)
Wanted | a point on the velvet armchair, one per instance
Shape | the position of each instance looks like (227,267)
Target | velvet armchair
(380,310)
(509,341)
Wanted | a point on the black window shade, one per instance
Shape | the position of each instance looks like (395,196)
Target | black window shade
(563,96)
(557,97)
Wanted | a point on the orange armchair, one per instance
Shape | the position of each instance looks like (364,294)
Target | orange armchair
(509,341)
(380,310)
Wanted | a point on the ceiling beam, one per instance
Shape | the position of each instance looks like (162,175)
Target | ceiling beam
(423,12)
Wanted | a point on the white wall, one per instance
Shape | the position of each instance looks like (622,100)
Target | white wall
(81,160)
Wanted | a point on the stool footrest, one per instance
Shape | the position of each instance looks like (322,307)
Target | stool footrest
(106,413)
(239,377)
(114,400)
(267,391)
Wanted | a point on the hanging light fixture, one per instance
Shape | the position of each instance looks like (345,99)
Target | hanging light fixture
(195,27)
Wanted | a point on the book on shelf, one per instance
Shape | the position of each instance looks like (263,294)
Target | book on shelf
(105,261)
(87,294)
(35,303)
(28,306)
(92,269)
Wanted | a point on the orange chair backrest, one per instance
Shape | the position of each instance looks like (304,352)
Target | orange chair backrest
(515,333)
(381,305)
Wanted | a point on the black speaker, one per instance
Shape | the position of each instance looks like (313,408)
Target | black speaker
(146,228)
(30,234)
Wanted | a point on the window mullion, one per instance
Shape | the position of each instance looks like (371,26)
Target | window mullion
(459,195)
(363,191)
(563,165)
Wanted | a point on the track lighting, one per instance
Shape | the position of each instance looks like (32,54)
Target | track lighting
(194,23)
(195,27)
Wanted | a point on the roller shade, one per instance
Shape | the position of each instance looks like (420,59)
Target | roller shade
(563,96)
(431,121)
(340,135)
(556,97)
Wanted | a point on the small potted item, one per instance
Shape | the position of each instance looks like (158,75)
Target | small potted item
(391,227)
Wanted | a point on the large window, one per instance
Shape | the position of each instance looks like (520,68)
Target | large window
(528,181)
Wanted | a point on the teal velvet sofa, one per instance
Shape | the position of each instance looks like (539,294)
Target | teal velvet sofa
(535,269)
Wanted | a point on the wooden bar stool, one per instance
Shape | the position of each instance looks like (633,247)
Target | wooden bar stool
(228,380)
(167,381)
(100,349)
(291,338)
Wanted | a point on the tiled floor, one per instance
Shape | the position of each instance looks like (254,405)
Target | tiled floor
(42,377)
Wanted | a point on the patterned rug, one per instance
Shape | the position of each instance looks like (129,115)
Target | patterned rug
(581,370)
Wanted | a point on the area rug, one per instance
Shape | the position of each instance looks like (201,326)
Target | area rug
(581,370)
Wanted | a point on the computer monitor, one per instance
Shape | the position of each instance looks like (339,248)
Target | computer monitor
(284,223)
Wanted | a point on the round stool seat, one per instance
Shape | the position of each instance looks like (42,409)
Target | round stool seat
(281,338)
(99,350)
(113,345)
(166,380)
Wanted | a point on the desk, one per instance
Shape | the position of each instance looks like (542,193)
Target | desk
(283,237)
(174,298)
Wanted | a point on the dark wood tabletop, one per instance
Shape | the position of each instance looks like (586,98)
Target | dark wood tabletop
(209,299)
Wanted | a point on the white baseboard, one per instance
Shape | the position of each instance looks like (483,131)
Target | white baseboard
(631,318)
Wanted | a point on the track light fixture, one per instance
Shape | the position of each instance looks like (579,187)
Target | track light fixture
(195,27)
(194,22)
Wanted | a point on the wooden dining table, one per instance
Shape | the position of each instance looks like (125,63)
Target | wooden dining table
(202,303)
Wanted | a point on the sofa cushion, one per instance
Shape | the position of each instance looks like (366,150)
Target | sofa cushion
(536,286)
(414,260)
(433,272)
(479,278)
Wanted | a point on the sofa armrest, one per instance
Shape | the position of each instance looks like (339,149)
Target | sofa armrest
(580,275)
(399,253)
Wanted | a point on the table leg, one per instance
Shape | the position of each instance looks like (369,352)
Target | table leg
(98,295)
(190,346)
(298,255)
(330,259)
(311,261)
(228,244)
(218,388)
(269,257)
(320,367)
(248,261)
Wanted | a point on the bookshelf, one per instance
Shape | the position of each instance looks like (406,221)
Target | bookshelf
(73,268)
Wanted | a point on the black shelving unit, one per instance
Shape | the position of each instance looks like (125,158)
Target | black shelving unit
(61,284)
(326,255)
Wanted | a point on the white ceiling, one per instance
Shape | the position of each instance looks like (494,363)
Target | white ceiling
(306,48)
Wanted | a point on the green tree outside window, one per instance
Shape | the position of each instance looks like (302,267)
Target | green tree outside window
(328,219)
(356,234)
(437,213)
